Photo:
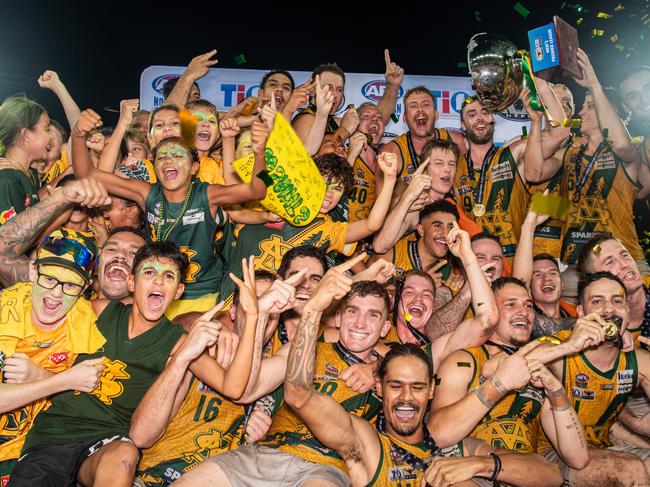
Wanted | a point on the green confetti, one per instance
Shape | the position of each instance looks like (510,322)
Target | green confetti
(521,10)
(477,16)
(461,65)
(605,133)
(240,59)
(524,132)
(394,118)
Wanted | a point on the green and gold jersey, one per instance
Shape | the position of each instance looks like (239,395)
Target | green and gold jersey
(17,192)
(206,424)
(269,242)
(495,196)
(291,435)
(362,195)
(194,232)
(398,462)
(598,396)
(132,366)
(602,196)
(513,423)
(411,159)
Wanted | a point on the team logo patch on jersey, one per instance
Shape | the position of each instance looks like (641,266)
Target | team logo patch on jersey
(194,218)
(38,344)
(582,380)
(401,474)
(501,172)
(584,394)
(58,358)
(331,371)
(109,387)
(625,381)
(4,481)
(606,387)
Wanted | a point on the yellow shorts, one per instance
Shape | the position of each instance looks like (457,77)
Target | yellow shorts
(198,305)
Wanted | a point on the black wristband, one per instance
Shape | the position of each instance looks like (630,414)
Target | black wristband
(497,466)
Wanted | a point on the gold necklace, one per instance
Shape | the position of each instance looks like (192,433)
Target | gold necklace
(162,219)
(18,167)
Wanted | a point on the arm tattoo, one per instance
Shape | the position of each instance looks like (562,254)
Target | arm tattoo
(19,233)
(482,396)
(302,353)
(546,326)
(447,318)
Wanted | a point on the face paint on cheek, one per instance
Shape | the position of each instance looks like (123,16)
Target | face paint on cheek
(158,269)
(206,117)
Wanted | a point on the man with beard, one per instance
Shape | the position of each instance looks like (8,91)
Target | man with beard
(362,154)
(505,410)
(116,261)
(431,181)
(542,274)
(600,379)
(399,447)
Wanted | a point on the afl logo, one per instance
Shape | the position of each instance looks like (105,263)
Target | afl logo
(158,83)
(374,90)
(515,112)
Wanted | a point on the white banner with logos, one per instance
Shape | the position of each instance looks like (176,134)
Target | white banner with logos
(227,87)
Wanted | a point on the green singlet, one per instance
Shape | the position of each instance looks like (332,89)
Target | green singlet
(194,233)
(132,366)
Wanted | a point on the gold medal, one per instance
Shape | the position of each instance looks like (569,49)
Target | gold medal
(478,210)
(611,330)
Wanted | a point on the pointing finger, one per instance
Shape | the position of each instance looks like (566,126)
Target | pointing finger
(207,316)
(346,266)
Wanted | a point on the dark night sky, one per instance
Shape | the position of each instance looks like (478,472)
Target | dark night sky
(99,50)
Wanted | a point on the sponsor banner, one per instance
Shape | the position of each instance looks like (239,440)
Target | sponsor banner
(227,87)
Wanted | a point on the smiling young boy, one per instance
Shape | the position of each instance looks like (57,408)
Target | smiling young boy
(83,437)
(179,208)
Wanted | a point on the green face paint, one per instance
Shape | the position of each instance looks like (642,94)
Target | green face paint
(151,270)
(206,117)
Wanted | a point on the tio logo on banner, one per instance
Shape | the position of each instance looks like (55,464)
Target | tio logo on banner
(234,94)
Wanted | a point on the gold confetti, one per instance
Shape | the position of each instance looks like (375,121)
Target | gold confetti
(597,32)
(614,38)
(188,126)
(407,316)
(550,204)
(618,7)
(550,339)
(603,15)
(597,249)
(580,21)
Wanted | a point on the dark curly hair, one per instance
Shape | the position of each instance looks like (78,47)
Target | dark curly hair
(335,169)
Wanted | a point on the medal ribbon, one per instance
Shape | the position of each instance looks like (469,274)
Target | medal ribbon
(347,355)
(504,348)
(582,179)
(408,457)
(478,196)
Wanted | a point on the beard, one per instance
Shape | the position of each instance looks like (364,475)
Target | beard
(474,138)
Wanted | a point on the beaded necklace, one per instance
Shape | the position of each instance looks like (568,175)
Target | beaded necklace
(162,219)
